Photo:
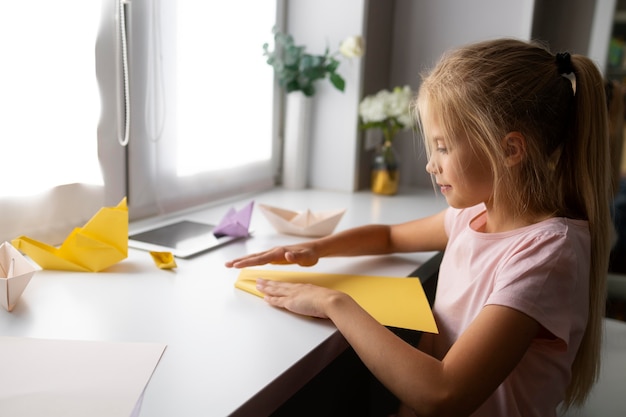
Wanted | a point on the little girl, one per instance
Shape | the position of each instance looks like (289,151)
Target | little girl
(517,141)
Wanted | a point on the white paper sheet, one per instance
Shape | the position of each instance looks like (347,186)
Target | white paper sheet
(41,377)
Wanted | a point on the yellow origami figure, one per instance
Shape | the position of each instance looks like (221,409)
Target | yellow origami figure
(100,243)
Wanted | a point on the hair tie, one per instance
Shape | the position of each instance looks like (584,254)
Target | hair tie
(564,63)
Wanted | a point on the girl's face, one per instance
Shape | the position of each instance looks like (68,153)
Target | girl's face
(463,176)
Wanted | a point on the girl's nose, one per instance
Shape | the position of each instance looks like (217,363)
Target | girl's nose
(431,166)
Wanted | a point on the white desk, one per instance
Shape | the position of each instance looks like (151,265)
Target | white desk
(228,352)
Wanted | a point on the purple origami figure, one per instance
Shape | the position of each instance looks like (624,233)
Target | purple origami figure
(235,223)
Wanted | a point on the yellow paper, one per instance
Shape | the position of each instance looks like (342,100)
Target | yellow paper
(393,301)
(163,260)
(100,243)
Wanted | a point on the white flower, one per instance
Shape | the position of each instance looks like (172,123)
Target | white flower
(388,111)
(398,101)
(372,109)
(388,104)
(352,47)
(406,119)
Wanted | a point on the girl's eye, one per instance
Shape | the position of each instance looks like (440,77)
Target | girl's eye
(440,147)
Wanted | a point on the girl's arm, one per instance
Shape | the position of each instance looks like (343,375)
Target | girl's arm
(426,234)
(473,368)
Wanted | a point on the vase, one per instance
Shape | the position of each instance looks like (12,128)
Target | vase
(296,142)
(385,170)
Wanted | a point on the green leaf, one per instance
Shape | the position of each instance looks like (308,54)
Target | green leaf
(314,73)
(308,90)
(317,61)
(373,125)
(292,55)
(333,65)
(297,70)
(292,86)
(306,61)
(283,39)
(338,81)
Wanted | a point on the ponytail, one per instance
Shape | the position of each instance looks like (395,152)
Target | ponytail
(589,184)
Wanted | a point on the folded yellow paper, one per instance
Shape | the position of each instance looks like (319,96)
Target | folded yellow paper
(100,243)
(163,260)
(393,301)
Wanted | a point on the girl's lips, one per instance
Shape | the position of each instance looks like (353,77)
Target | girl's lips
(444,188)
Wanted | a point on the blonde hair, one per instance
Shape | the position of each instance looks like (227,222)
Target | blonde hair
(489,89)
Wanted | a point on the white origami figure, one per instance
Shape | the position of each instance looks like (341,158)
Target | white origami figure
(302,223)
(15,274)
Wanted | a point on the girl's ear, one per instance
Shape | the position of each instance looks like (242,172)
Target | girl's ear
(514,144)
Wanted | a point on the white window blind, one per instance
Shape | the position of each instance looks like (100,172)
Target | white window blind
(49,109)
(49,101)
(225,86)
(202,102)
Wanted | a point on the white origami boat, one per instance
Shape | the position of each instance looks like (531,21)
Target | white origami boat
(302,223)
(15,274)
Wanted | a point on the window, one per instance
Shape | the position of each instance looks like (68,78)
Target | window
(201,103)
(49,99)
(201,108)
(50,109)
(225,87)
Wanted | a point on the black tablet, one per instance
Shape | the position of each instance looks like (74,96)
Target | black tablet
(183,238)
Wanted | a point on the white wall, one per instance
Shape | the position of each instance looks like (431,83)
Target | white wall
(578,26)
(334,120)
(425,29)
(601,32)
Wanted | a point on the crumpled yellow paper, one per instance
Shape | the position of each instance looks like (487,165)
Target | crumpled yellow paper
(163,260)
(100,243)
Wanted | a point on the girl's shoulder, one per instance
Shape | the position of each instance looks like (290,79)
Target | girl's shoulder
(468,220)
(458,218)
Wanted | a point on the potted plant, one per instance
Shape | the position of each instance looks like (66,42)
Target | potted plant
(389,112)
(298,72)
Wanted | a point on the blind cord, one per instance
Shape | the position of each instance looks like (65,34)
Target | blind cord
(155,110)
(124,141)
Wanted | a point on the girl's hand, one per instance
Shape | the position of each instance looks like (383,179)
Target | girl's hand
(306,299)
(296,254)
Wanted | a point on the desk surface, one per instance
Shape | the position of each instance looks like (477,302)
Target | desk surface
(228,352)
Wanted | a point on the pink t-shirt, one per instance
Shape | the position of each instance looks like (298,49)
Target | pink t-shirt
(541,270)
